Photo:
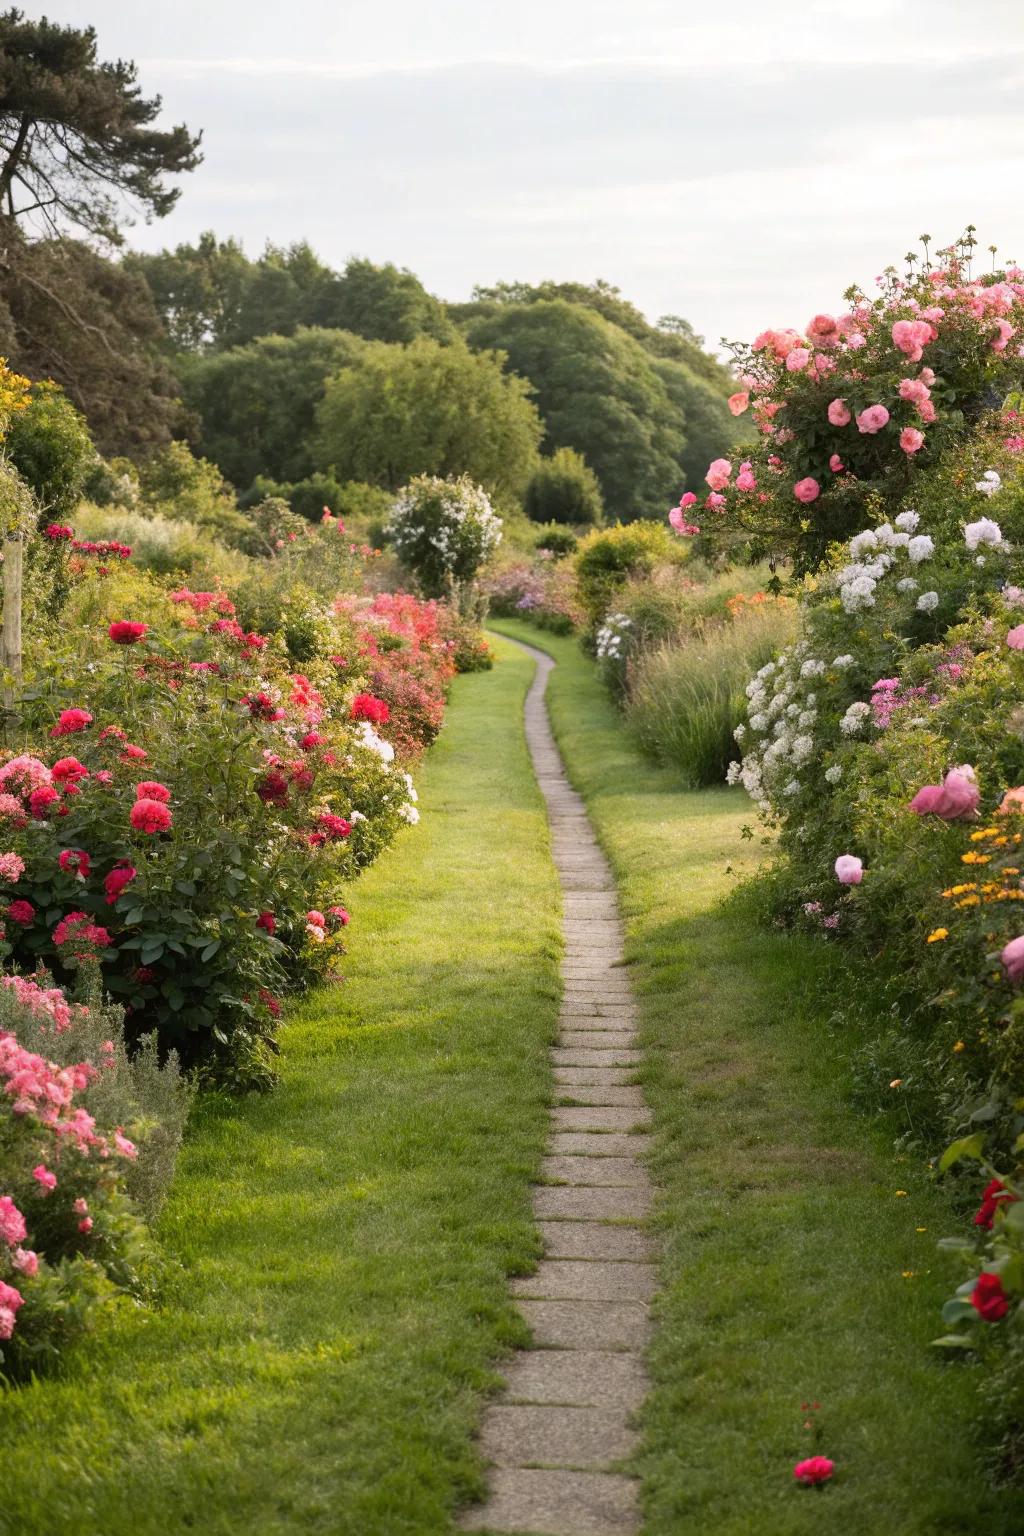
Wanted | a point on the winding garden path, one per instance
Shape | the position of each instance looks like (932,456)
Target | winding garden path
(564,1421)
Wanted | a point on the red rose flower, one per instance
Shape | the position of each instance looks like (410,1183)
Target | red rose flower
(366,707)
(150,816)
(273,789)
(76,862)
(996,1194)
(40,800)
(58,531)
(267,921)
(126,633)
(312,739)
(143,974)
(120,876)
(813,1471)
(149,789)
(988,1298)
(340,915)
(262,707)
(133,754)
(22,912)
(71,720)
(334,826)
(78,928)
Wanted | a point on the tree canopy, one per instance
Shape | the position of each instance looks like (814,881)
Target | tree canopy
(424,408)
(77,143)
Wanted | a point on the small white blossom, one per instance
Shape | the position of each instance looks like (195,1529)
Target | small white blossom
(410,813)
(812,668)
(854,718)
(792,788)
(908,584)
(990,482)
(908,521)
(862,542)
(843,661)
(984,531)
(734,772)
(921,548)
(834,774)
(928,602)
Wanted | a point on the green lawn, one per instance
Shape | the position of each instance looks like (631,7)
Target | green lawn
(793,1270)
(346,1241)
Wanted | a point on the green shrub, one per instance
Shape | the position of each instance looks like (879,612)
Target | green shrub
(608,557)
(557,541)
(49,444)
(686,697)
(178,486)
(563,489)
(443,530)
(164,546)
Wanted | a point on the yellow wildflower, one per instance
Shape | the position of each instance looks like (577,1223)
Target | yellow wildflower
(960,1046)
(937,935)
(974,858)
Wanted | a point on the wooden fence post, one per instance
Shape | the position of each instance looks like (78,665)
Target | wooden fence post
(10,640)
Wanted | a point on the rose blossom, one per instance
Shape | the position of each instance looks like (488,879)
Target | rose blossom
(989,1299)
(719,474)
(911,440)
(738,403)
(798,358)
(849,869)
(149,789)
(955,799)
(1013,959)
(121,875)
(815,1470)
(872,419)
(71,720)
(44,1178)
(835,464)
(150,816)
(124,632)
(839,413)
(12,1222)
(806,490)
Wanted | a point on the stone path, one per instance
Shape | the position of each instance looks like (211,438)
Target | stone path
(564,1422)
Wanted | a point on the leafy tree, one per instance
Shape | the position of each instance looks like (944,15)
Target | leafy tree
(198,290)
(710,431)
(386,304)
(563,489)
(398,412)
(49,445)
(256,404)
(598,392)
(177,485)
(69,314)
(76,137)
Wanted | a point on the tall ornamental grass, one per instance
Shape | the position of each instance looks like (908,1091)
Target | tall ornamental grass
(686,696)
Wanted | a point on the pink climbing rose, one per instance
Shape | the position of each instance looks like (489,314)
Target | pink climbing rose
(849,869)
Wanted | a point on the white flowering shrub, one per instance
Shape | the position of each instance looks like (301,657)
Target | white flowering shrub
(443,530)
(889,591)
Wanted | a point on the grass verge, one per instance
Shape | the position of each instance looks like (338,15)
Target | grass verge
(801,1283)
(346,1241)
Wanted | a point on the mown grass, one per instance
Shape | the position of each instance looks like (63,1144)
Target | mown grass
(794,1272)
(346,1241)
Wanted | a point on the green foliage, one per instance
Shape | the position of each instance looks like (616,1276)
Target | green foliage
(563,489)
(174,484)
(49,445)
(598,392)
(427,409)
(257,404)
(386,303)
(608,557)
(557,541)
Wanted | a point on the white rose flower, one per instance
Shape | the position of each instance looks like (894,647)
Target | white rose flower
(921,548)
(928,602)
(843,661)
(984,531)
(908,521)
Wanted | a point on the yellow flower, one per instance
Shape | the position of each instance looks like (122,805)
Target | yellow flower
(899,1193)
(969,901)
(896,1082)
(908,1274)
(974,858)
(920,1229)
(1009,871)
(960,1046)
(937,935)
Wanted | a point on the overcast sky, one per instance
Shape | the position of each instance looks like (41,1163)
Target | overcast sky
(739,171)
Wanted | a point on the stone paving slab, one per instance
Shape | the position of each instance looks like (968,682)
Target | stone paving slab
(626,1097)
(598,1015)
(598,1144)
(563,1056)
(626,1172)
(605,1077)
(557,1503)
(598,1240)
(542,1435)
(589,1378)
(581,1324)
(598,1118)
(598,1202)
(607,1039)
(587,1280)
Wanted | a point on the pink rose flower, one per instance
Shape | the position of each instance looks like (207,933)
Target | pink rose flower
(835,464)
(1013,960)
(806,490)
(1015,638)
(926,411)
(914,389)
(815,1470)
(872,419)
(839,413)
(955,799)
(25,1261)
(911,440)
(797,359)
(719,474)
(849,869)
(746,479)
(12,1222)
(912,336)
(738,402)
(44,1178)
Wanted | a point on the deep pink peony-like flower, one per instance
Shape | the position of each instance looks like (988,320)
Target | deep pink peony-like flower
(340,915)
(366,707)
(22,912)
(10,1300)
(40,800)
(1015,638)
(335,827)
(814,1471)
(995,1195)
(71,720)
(25,1261)
(68,770)
(839,413)
(849,869)
(44,1178)
(807,489)
(267,921)
(125,632)
(75,861)
(149,789)
(150,816)
(120,876)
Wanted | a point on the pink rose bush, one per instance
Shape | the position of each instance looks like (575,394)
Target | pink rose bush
(886,387)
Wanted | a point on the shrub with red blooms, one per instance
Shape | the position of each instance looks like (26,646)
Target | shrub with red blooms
(851,409)
(366,707)
(814,1471)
